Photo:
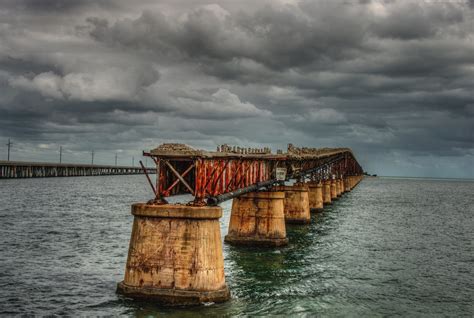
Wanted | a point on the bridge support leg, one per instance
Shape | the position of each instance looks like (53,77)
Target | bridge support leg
(354,181)
(258,218)
(327,192)
(338,188)
(315,197)
(347,187)
(175,255)
(296,204)
(333,190)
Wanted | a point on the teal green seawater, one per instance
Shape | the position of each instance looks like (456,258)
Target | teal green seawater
(391,247)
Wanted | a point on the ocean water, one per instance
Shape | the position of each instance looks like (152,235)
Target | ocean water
(391,247)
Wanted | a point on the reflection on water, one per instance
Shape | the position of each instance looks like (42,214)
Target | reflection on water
(390,247)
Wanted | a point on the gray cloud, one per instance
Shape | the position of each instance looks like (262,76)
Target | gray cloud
(392,79)
(414,20)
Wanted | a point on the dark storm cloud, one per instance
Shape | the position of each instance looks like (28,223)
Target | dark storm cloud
(392,79)
(55,5)
(277,38)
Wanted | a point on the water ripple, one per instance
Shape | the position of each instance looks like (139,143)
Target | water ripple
(398,247)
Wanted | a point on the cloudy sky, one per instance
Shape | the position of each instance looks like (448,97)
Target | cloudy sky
(393,80)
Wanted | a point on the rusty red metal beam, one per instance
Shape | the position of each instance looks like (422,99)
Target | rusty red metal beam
(208,174)
(167,191)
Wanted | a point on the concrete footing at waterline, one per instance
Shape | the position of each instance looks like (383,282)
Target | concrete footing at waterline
(296,203)
(175,255)
(353,181)
(315,196)
(327,192)
(334,190)
(338,188)
(347,187)
(341,186)
(258,219)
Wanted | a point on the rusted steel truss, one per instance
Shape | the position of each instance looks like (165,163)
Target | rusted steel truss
(211,177)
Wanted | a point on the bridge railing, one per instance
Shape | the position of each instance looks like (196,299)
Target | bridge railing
(21,169)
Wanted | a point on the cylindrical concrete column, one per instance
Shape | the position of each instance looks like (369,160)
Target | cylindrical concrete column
(327,192)
(258,218)
(338,188)
(296,204)
(315,196)
(333,190)
(347,187)
(175,255)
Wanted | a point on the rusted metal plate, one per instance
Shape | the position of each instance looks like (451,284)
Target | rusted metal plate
(204,174)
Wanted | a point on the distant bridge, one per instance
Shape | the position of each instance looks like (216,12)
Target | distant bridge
(21,169)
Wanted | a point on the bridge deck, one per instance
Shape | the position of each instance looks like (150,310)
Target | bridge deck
(214,176)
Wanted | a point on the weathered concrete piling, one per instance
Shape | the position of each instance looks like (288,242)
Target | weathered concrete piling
(347,187)
(353,181)
(296,204)
(175,255)
(258,219)
(338,188)
(327,192)
(333,190)
(315,196)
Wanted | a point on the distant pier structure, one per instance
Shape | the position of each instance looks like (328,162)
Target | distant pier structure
(21,169)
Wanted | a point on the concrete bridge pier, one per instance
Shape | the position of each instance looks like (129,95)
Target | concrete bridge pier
(175,255)
(338,188)
(258,218)
(315,196)
(327,192)
(347,186)
(296,204)
(354,181)
(341,182)
(333,190)
(350,182)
